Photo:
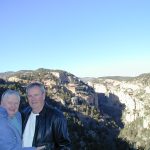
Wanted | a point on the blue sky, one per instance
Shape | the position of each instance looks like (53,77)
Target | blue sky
(88,38)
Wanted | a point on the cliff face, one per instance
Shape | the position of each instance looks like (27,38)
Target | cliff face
(127,101)
(124,93)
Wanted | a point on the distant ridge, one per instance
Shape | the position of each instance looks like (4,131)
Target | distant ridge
(7,74)
(119,78)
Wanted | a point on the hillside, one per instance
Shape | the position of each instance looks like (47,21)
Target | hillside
(101,112)
(77,100)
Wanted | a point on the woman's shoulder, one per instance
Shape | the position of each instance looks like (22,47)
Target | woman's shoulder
(18,115)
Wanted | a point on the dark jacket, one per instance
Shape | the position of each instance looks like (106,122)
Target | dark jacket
(51,128)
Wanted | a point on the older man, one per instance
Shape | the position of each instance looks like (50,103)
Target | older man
(46,125)
(10,122)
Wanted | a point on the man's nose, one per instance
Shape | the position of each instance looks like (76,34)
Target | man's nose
(32,97)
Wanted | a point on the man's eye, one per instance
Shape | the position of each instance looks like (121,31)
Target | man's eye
(36,95)
(29,96)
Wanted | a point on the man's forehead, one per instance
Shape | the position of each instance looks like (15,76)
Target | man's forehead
(35,88)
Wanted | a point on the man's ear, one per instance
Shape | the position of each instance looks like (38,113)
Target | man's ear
(44,94)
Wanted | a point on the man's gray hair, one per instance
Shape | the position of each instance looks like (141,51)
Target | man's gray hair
(8,93)
(35,84)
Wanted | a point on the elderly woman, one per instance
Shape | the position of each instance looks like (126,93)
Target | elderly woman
(10,122)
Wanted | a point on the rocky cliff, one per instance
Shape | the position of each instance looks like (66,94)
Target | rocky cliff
(127,101)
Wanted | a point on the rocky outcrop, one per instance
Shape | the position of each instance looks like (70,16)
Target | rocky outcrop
(127,101)
(127,93)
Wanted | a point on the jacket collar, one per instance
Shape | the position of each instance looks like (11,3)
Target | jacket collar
(42,113)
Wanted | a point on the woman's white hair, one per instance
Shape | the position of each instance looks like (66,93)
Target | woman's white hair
(8,93)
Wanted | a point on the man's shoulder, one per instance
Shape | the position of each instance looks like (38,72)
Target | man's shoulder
(54,111)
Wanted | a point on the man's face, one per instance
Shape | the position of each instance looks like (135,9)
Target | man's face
(11,104)
(36,99)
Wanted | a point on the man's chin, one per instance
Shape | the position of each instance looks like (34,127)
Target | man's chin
(34,107)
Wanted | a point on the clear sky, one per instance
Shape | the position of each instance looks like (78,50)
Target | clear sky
(88,38)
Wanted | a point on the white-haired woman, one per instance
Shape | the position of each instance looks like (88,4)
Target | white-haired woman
(10,123)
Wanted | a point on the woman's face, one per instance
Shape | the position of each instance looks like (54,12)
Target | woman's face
(11,104)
